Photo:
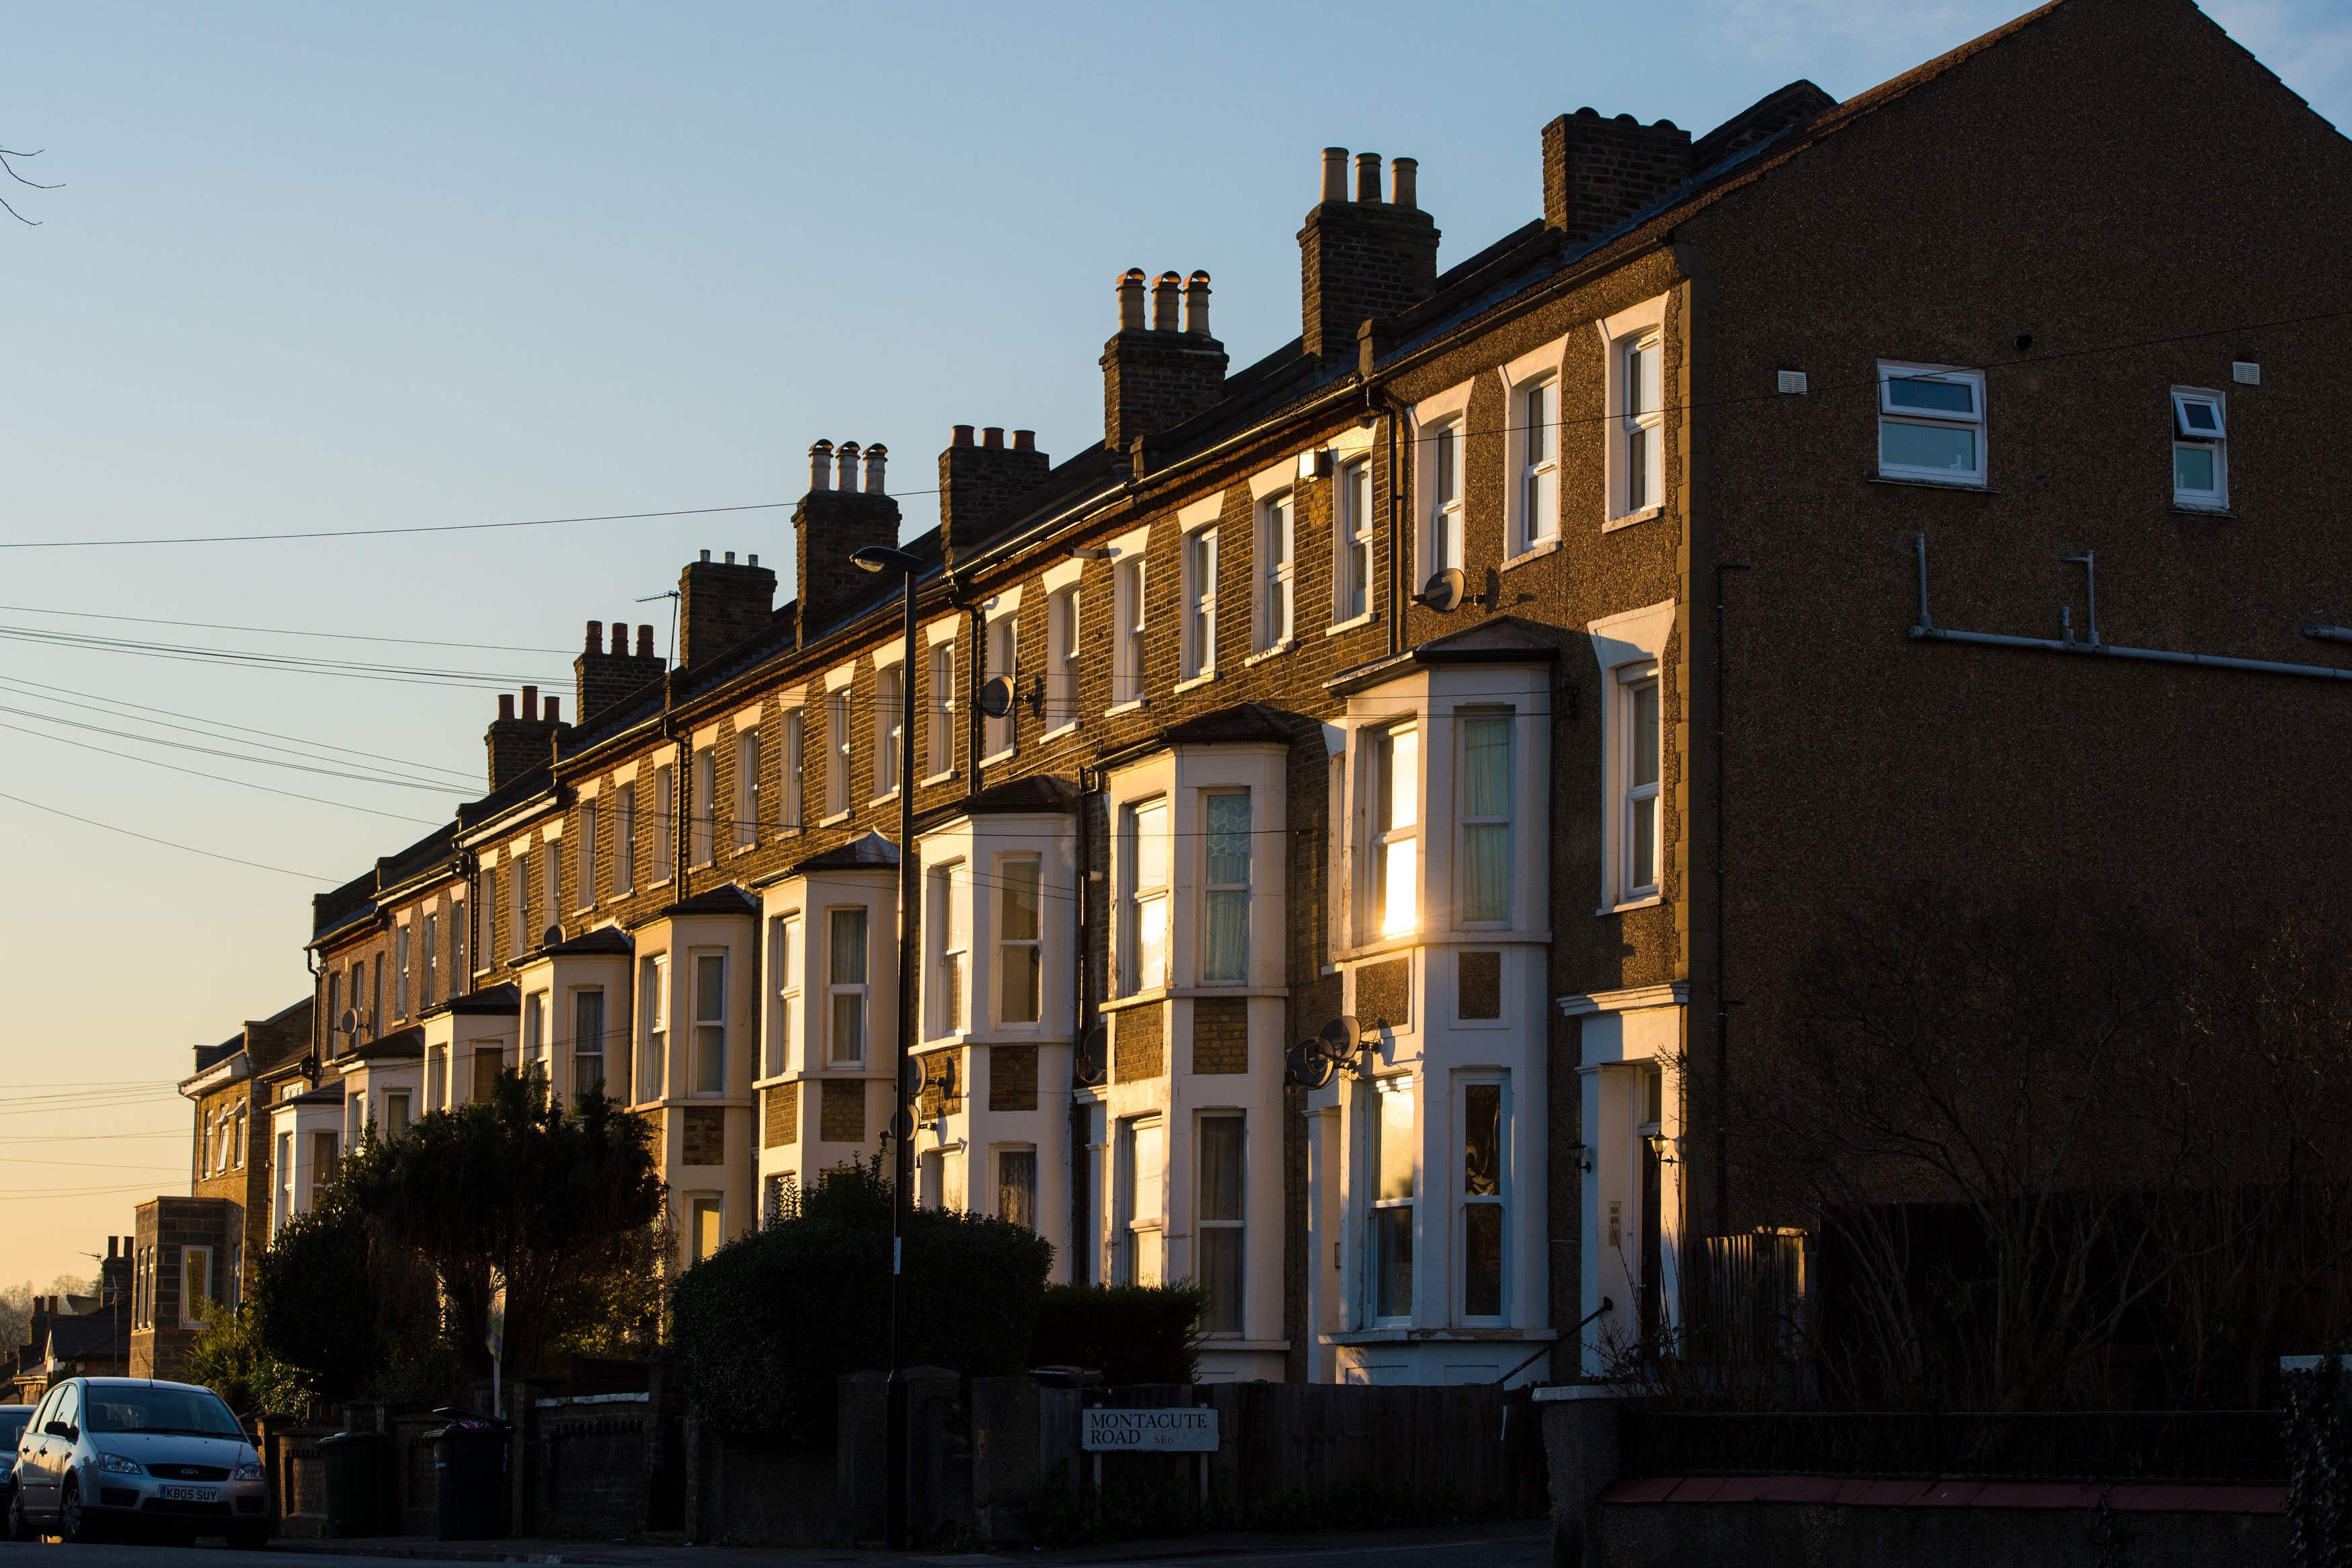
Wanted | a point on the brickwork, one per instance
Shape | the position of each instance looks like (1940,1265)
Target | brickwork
(841,1113)
(783,1104)
(1599,173)
(706,1136)
(1220,1035)
(1359,260)
(722,604)
(942,1091)
(827,526)
(1155,380)
(1012,1077)
(603,676)
(979,480)
(1137,1050)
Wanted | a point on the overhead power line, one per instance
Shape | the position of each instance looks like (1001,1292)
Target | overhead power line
(233,756)
(222,778)
(282,631)
(415,675)
(169,844)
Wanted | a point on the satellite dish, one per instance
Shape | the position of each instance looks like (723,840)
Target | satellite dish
(349,1023)
(1340,1040)
(1308,1067)
(1442,593)
(1088,1062)
(913,1085)
(551,936)
(996,697)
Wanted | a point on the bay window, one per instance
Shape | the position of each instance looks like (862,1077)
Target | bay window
(1016,1186)
(951,938)
(1140,1178)
(653,1010)
(846,986)
(710,1023)
(785,945)
(1396,830)
(1225,817)
(1020,959)
(1485,817)
(1388,1251)
(587,1043)
(534,1031)
(1482,1130)
(1143,929)
(1218,1224)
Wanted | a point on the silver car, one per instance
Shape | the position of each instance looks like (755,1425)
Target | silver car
(103,1454)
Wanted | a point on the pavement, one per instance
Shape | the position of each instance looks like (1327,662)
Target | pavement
(1524,1544)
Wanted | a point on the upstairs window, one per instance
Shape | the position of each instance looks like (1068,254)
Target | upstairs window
(709,1023)
(747,788)
(705,789)
(584,871)
(1538,445)
(1020,962)
(2200,470)
(1351,584)
(1931,424)
(1225,821)
(1062,658)
(1143,936)
(890,729)
(1396,830)
(1641,767)
(432,992)
(1200,602)
(1126,672)
(457,913)
(836,752)
(846,987)
(551,867)
(1003,649)
(625,840)
(519,899)
(1445,496)
(1485,817)
(665,845)
(789,770)
(944,708)
(1275,534)
(1641,425)
(399,971)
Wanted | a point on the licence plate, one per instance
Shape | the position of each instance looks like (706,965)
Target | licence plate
(192,1494)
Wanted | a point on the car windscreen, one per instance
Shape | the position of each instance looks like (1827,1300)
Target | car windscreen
(193,1412)
(12,1425)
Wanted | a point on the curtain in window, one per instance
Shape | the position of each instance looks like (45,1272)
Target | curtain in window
(1487,793)
(1228,877)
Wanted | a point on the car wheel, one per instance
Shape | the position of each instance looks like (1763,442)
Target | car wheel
(19,1527)
(250,1538)
(77,1526)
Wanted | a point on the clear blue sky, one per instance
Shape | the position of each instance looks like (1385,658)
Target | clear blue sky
(350,267)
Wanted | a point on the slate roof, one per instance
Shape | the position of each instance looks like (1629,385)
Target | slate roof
(870,852)
(506,998)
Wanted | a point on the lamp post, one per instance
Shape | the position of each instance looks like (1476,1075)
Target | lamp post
(882,558)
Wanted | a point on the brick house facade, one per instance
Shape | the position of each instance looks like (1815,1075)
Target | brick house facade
(1377,680)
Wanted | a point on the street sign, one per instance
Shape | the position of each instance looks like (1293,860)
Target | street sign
(1184,1430)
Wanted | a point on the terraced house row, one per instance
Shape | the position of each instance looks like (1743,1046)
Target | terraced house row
(1526,663)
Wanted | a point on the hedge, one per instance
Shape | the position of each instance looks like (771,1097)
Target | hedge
(1130,1333)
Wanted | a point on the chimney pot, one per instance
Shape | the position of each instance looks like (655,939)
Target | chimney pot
(1368,177)
(753,559)
(645,642)
(620,638)
(1196,304)
(595,639)
(506,705)
(1165,290)
(992,436)
(1335,173)
(1130,300)
(530,693)
(1025,440)
(548,713)
(112,1243)
(876,456)
(1406,193)
(846,453)
(706,555)
(730,558)
(961,436)
(820,465)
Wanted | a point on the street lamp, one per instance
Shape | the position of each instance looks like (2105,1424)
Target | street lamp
(882,558)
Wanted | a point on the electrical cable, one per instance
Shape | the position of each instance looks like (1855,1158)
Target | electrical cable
(221,778)
(168,844)
(294,663)
(233,756)
(283,631)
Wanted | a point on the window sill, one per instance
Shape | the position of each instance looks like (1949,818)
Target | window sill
(745,849)
(1536,551)
(2197,509)
(1254,660)
(1646,900)
(1350,624)
(1059,732)
(938,778)
(1920,482)
(1192,683)
(1132,705)
(1134,999)
(885,799)
(835,820)
(1005,755)
(1646,514)
(1402,1333)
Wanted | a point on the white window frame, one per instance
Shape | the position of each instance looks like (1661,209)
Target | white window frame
(652,1077)
(748,761)
(400,969)
(703,806)
(1637,326)
(862,990)
(1138,897)
(1458,1271)
(625,838)
(695,1205)
(534,1030)
(1210,889)
(1276,608)
(1636,799)
(1535,442)
(1203,1225)
(1374,1204)
(1063,650)
(1127,588)
(783,942)
(551,876)
(789,771)
(1890,372)
(1631,638)
(1382,832)
(1135,1226)
(1009,946)
(1003,645)
(890,727)
(837,751)
(518,904)
(585,868)
(1446,513)
(430,979)
(942,726)
(710,1030)
(1465,820)
(665,853)
(1199,653)
(603,1033)
(2183,399)
(950,965)
(1352,542)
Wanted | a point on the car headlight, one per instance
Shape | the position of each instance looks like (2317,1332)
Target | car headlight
(250,1470)
(116,1465)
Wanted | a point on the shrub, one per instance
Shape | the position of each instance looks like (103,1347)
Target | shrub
(312,1295)
(767,1325)
(1130,1333)
(229,1358)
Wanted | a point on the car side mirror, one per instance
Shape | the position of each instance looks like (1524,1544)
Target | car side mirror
(60,1429)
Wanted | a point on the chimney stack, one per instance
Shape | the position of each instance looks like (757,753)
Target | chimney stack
(1362,258)
(518,744)
(601,679)
(1599,173)
(1156,377)
(978,485)
(829,524)
(722,604)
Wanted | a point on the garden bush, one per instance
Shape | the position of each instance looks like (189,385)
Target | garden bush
(1130,1333)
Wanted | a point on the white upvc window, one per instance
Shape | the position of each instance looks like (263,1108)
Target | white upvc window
(518,898)
(1004,649)
(1139,1184)
(400,970)
(1445,521)
(534,1030)
(836,752)
(1277,540)
(1481,1260)
(653,1014)
(1537,513)
(1127,668)
(846,986)
(1062,658)
(665,845)
(1020,952)
(705,792)
(889,731)
(1391,1171)
(551,872)
(1351,578)
(1485,814)
(1225,881)
(784,950)
(710,1023)
(1199,651)
(397,1117)
(587,1042)
(1638,428)
(944,708)
(789,770)
(748,821)
(432,992)
(1218,1222)
(1016,1186)
(1394,870)
(1931,424)
(706,1222)
(2200,441)
(583,870)
(951,945)
(458,909)
(1143,930)
(1641,766)
(625,838)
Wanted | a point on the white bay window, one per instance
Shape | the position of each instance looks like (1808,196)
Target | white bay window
(1225,822)
(1485,817)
